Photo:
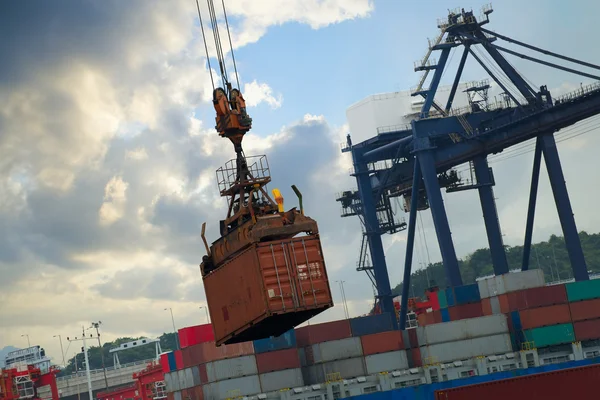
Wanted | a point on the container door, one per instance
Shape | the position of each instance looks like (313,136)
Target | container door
(277,276)
(308,269)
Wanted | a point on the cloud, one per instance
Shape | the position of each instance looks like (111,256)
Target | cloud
(256,93)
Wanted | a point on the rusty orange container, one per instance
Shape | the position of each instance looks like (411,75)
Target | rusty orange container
(545,316)
(268,289)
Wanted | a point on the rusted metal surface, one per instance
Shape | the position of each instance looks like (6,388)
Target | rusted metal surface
(268,289)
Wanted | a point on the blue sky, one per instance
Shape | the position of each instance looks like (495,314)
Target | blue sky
(111,226)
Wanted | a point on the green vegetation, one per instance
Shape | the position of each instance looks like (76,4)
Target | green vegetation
(551,256)
(167,343)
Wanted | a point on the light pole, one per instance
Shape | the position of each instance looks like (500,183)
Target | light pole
(344,299)
(62,352)
(87,361)
(28,342)
(97,326)
(174,329)
(207,317)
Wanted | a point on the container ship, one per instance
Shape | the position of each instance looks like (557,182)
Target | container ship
(512,336)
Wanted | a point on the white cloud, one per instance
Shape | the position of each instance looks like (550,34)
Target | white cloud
(256,93)
(114,201)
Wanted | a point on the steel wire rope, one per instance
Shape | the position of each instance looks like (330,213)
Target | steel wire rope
(205,45)
(500,75)
(231,46)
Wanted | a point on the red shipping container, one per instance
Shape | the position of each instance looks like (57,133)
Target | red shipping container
(192,335)
(437,316)
(210,352)
(198,393)
(277,360)
(422,320)
(504,305)
(545,316)
(464,311)
(587,309)
(414,357)
(434,300)
(517,300)
(326,332)
(587,330)
(270,281)
(179,359)
(170,396)
(413,338)
(164,363)
(545,296)
(570,383)
(486,306)
(381,342)
(203,374)
(187,357)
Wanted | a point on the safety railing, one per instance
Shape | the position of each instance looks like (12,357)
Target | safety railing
(101,371)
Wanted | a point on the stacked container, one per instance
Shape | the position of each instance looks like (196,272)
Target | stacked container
(584,304)
(278,362)
(463,339)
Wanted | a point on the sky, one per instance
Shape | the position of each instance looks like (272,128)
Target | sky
(108,151)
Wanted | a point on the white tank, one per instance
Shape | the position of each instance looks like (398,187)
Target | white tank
(390,111)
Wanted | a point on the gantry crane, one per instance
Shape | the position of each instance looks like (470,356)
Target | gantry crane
(441,138)
(23,383)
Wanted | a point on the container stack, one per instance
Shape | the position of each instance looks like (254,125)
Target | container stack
(584,305)
(464,339)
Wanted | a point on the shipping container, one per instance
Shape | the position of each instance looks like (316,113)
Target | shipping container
(450,300)
(414,358)
(463,329)
(285,341)
(164,362)
(281,380)
(386,362)
(178,359)
(372,324)
(198,393)
(545,316)
(192,335)
(510,282)
(231,368)
(445,315)
(206,352)
(486,306)
(437,316)
(586,309)
(464,311)
(181,379)
(177,396)
(466,294)
(413,338)
(277,360)
(278,285)
(325,332)
(172,362)
(187,357)
(571,383)
(545,296)
(587,330)
(172,381)
(232,388)
(583,290)
(442,299)
(334,350)
(550,335)
(465,349)
(203,374)
(381,342)
(344,369)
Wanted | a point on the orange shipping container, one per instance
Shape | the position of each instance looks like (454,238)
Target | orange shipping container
(382,342)
(208,351)
(583,310)
(268,289)
(545,316)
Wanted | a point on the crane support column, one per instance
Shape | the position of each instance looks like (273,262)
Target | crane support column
(365,190)
(563,205)
(410,243)
(490,215)
(535,178)
(440,218)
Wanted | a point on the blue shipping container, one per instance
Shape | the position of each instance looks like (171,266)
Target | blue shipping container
(172,362)
(371,324)
(285,341)
(467,294)
(450,297)
(445,315)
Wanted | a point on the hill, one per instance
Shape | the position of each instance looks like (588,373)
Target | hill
(550,256)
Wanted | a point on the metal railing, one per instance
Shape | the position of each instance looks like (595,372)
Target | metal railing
(100,370)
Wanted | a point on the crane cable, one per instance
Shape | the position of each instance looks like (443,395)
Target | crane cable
(218,47)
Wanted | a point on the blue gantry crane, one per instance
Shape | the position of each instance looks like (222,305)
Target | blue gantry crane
(420,159)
